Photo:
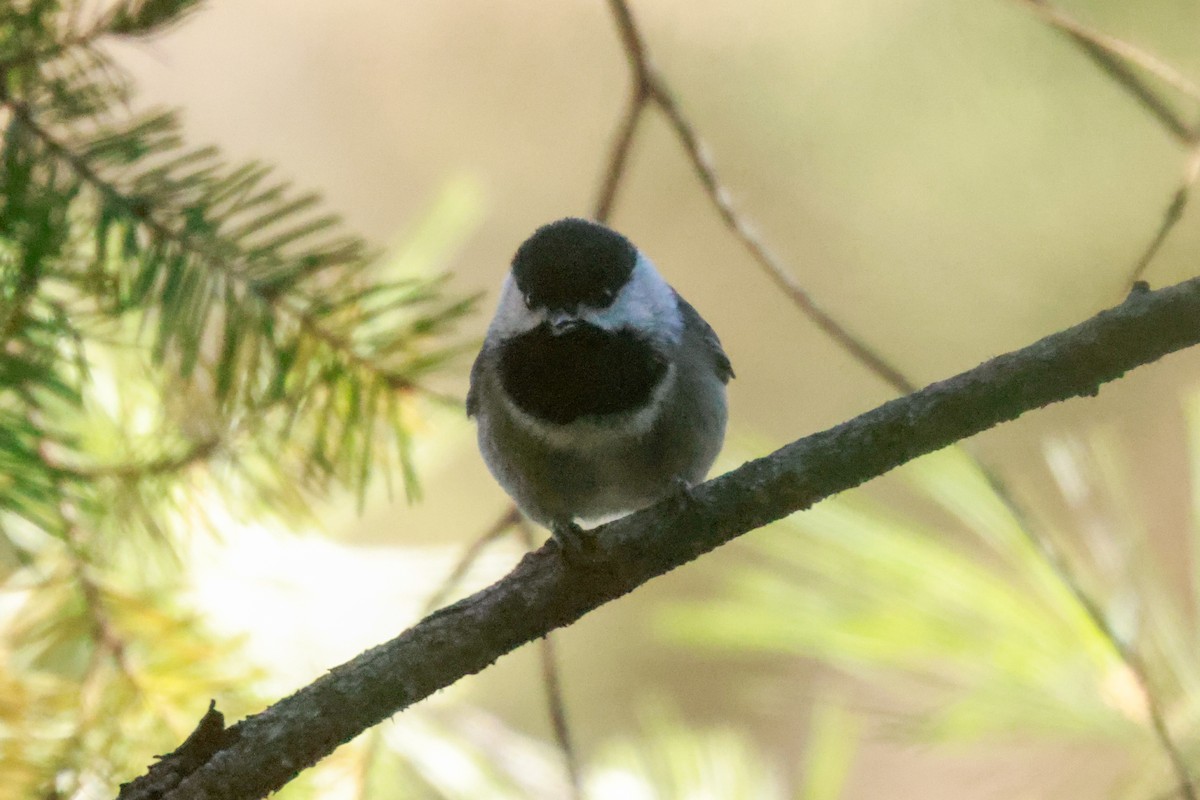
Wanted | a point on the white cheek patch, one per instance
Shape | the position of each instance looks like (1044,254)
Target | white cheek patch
(645,303)
(513,317)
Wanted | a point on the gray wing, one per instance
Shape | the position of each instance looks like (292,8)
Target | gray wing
(474,388)
(693,320)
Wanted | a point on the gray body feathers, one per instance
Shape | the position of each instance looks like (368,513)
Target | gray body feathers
(613,464)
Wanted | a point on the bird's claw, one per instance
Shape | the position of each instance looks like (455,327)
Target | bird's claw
(574,542)
(680,496)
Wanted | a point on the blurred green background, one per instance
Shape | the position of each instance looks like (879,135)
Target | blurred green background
(949,180)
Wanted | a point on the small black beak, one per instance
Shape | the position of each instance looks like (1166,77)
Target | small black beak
(564,325)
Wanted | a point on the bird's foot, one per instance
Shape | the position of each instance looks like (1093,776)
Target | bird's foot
(680,496)
(574,542)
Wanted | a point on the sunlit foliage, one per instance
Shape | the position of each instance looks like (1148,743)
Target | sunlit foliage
(173,328)
(970,630)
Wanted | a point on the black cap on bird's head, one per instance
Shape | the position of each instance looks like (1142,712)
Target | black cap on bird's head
(573,261)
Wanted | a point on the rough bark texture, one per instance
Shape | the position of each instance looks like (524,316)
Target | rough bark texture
(542,593)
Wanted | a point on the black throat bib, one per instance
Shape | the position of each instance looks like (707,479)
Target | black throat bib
(583,372)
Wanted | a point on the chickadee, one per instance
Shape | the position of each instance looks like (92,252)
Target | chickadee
(598,390)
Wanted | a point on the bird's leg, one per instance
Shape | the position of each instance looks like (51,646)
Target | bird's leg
(680,495)
(573,540)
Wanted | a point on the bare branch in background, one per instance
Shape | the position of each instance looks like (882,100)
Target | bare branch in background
(106,639)
(265,751)
(1174,213)
(197,452)
(1115,56)
(1123,649)
(470,555)
(555,702)
(618,157)
(1120,60)
(650,87)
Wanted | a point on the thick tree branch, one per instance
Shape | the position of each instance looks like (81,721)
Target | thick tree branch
(542,593)
(1115,57)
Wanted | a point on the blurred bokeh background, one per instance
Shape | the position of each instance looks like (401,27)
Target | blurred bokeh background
(948,180)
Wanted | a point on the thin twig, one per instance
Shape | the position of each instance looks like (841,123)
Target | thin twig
(618,157)
(470,554)
(1128,79)
(107,644)
(555,700)
(1174,212)
(199,451)
(1110,54)
(557,705)
(104,633)
(1117,47)
(1114,55)
(1053,557)
(784,279)
(551,678)
(1170,794)
(650,87)
(1107,51)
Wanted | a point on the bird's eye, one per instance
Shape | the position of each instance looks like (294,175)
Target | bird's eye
(527,301)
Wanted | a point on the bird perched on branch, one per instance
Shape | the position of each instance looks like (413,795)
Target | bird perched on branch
(598,390)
